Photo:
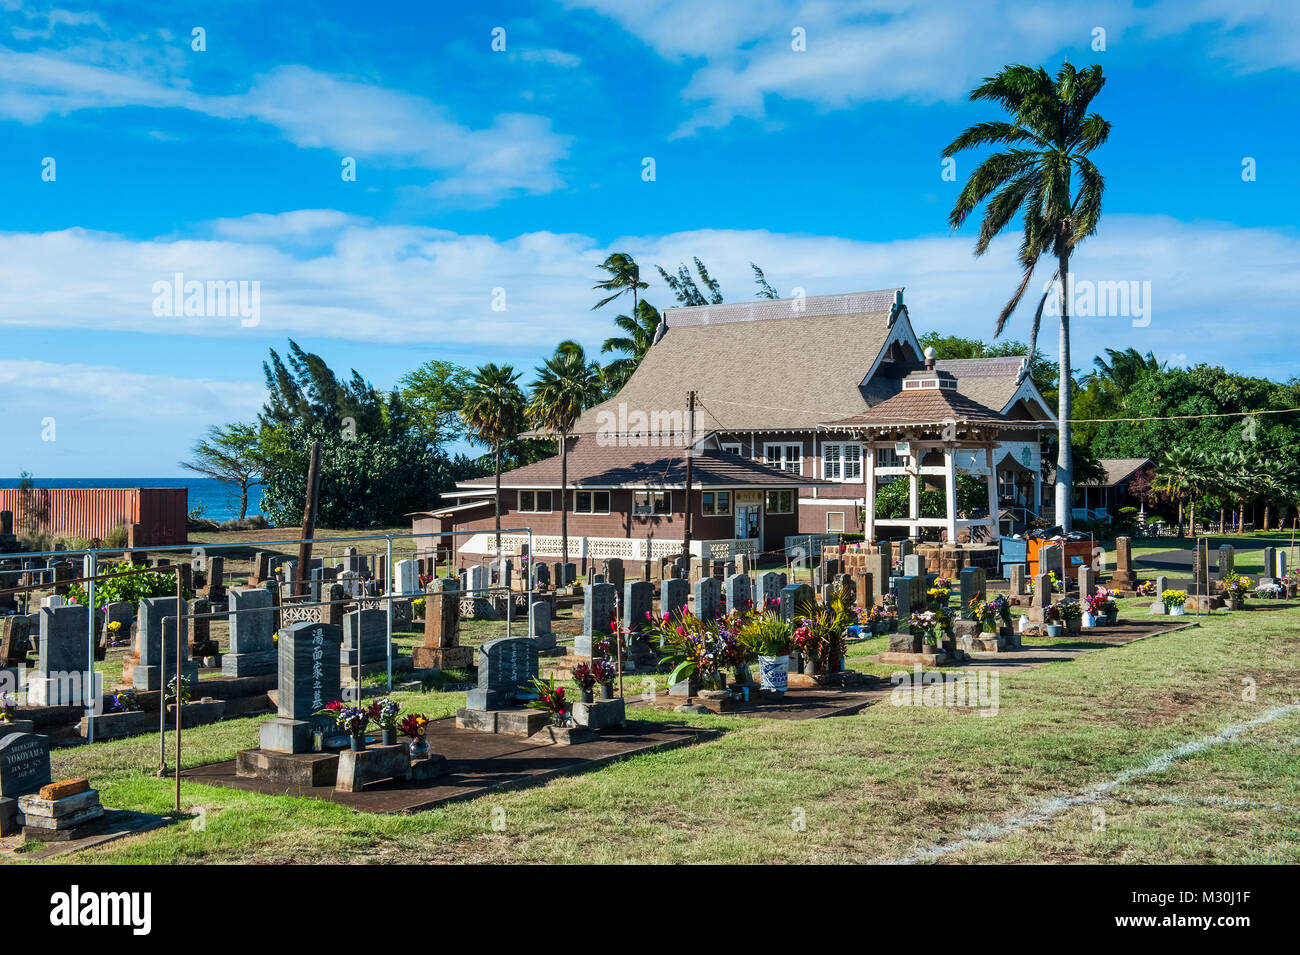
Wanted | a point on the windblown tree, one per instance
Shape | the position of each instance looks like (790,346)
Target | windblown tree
(1048,180)
(638,335)
(566,384)
(229,454)
(687,290)
(623,276)
(494,415)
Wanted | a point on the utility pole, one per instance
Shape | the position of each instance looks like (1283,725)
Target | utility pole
(690,452)
(309,522)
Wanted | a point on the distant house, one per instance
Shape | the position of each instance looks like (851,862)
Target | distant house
(804,409)
(1102,500)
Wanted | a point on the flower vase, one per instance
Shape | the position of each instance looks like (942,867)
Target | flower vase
(419,748)
(388,736)
(559,719)
(1054,629)
(774,673)
(587,695)
(358,742)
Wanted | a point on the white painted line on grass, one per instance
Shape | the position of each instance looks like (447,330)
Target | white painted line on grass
(1048,808)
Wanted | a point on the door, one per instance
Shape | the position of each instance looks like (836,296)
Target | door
(749,514)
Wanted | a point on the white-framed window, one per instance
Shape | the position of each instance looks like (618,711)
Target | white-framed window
(834,522)
(787,457)
(842,462)
(732,448)
(591,502)
(535,502)
(651,503)
(780,502)
(888,458)
(715,503)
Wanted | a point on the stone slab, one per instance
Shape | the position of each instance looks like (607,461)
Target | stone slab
(307,770)
(371,765)
(600,714)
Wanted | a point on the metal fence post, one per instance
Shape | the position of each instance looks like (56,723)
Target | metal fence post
(89,569)
(388,587)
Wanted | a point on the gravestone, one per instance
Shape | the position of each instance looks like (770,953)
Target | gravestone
(673,595)
(365,638)
(505,572)
(60,677)
(570,573)
(24,764)
(793,598)
(1201,570)
(541,576)
(597,614)
(476,579)
(539,624)
(863,596)
(1279,568)
(201,642)
(252,628)
(1158,605)
(1041,598)
(910,594)
(638,604)
(708,598)
(506,666)
(613,570)
(261,567)
(879,568)
(744,563)
(913,566)
(120,612)
(1123,577)
(215,588)
(740,594)
(1227,560)
(1270,562)
(1087,581)
(1016,580)
(767,587)
(15,640)
(1051,559)
(317,581)
(406,577)
(442,649)
(971,584)
(309,657)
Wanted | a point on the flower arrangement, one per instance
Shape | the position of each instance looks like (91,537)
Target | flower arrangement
(186,694)
(991,612)
(1174,598)
(767,635)
(922,622)
(115,638)
(417,607)
(820,634)
(1147,588)
(1052,614)
(869,616)
(1102,603)
(584,677)
(1069,610)
(549,698)
(1234,586)
(1268,590)
(385,713)
(696,647)
(352,719)
(413,725)
(603,671)
(7,707)
(939,595)
(124,701)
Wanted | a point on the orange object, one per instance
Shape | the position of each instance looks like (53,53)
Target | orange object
(64,788)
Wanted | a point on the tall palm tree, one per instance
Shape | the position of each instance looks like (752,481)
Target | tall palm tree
(1052,133)
(1181,474)
(624,276)
(638,335)
(494,414)
(566,384)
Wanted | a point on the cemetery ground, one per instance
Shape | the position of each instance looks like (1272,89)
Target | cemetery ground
(890,783)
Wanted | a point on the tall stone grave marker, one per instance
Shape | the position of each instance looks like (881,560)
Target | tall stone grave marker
(793,599)
(505,668)
(252,628)
(739,592)
(673,595)
(708,598)
(638,604)
(597,612)
(365,638)
(767,588)
(309,656)
(61,677)
(971,584)
(442,649)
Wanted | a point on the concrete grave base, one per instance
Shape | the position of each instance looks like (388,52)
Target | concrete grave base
(932,658)
(371,765)
(509,722)
(563,735)
(302,769)
(280,735)
(249,664)
(600,714)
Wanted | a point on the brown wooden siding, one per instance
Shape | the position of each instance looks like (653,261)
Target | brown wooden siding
(158,513)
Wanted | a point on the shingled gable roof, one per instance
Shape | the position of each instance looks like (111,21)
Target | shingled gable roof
(592,465)
(774,364)
(990,381)
(931,406)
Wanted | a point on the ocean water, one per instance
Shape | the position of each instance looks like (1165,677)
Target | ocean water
(220,501)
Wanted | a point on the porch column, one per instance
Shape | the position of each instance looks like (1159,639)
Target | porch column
(914,490)
(950,491)
(869,492)
(993,491)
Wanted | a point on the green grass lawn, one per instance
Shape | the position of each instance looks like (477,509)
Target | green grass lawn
(874,786)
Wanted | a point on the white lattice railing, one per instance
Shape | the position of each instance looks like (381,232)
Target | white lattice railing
(550,545)
(724,549)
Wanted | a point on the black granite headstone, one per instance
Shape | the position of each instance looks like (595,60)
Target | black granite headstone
(505,666)
(24,763)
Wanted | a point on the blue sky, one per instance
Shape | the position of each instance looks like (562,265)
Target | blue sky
(520,169)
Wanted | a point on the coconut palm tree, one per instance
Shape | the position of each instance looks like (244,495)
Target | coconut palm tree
(639,335)
(493,413)
(566,384)
(1052,133)
(624,276)
(1181,474)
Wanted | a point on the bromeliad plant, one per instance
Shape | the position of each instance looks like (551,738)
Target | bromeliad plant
(549,697)
(767,635)
(695,647)
(413,726)
(820,634)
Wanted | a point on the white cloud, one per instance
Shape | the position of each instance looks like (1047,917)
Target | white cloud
(914,50)
(1219,293)
(515,153)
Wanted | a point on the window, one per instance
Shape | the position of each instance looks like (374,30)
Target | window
(715,503)
(834,522)
(535,502)
(780,502)
(787,457)
(888,458)
(651,503)
(732,449)
(591,502)
(842,462)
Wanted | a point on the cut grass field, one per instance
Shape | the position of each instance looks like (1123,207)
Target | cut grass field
(887,783)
